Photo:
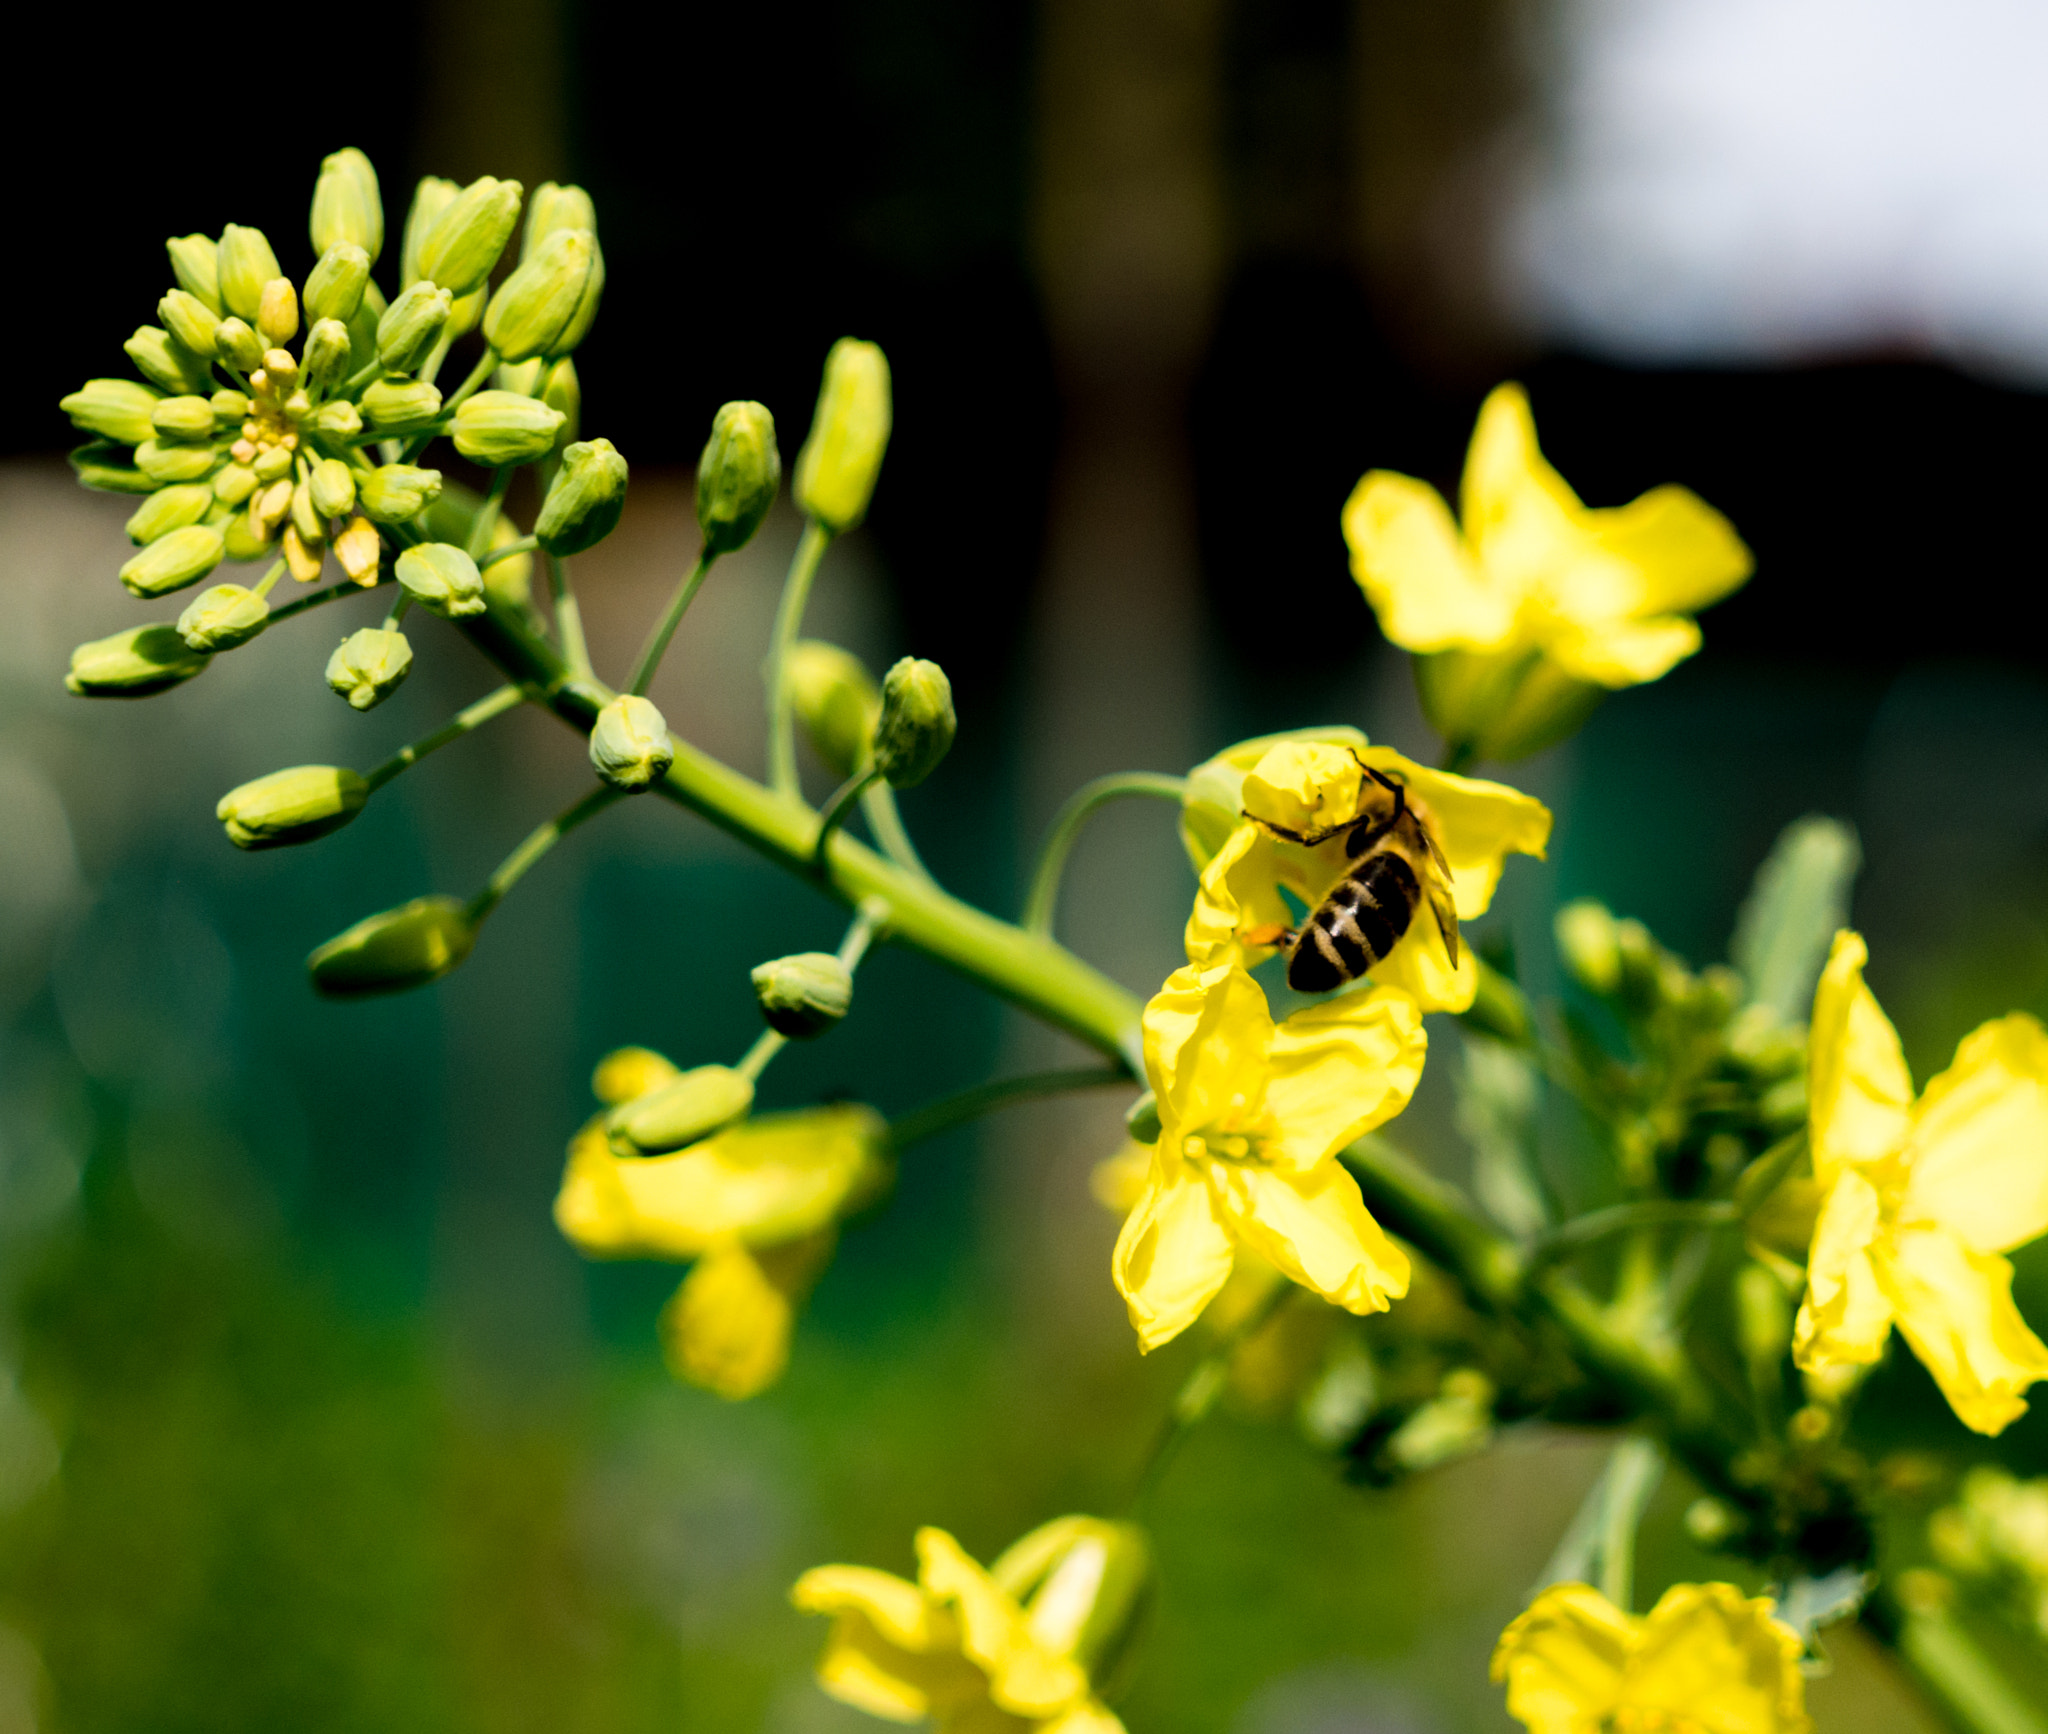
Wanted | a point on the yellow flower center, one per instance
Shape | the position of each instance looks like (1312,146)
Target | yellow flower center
(1237,1135)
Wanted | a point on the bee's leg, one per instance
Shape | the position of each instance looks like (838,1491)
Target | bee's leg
(1272,933)
(1308,839)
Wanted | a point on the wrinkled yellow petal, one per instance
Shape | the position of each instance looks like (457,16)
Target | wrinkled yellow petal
(1173,1255)
(1680,553)
(1239,891)
(1710,1657)
(1845,1317)
(1618,653)
(1304,786)
(592,1209)
(1119,1181)
(1521,519)
(1316,1229)
(727,1328)
(1206,1033)
(1417,573)
(1859,1092)
(1212,807)
(1979,1150)
(1338,1069)
(890,1652)
(1023,1675)
(1563,1660)
(1955,1308)
(1420,966)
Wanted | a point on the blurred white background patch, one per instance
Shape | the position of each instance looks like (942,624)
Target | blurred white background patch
(1764,180)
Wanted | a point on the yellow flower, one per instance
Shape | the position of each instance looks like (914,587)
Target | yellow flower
(1305,786)
(1003,1651)
(756,1206)
(1706,1660)
(1539,604)
(1251,1115)
(1919,1199)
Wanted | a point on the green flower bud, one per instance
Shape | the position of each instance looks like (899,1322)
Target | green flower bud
(338,421)
(195,265)
(334,288)
(397,493)
(327,353)
(467,237)
(429,199)
(1589,943)
(737,476)
(560,389)
(164,362)
(190,321)
(277,317)
(401,403)
(234,484)
(629,743)
(306,520)
(239,345)
(174,560)
(837,701)
(409,946)
(698,1103)
(584,500)
(166,462)
(222,617)
(183,418)
(116,409)
(111,469)
(464,315)
(1141,1119)
(230,409)
(441,578)
(498,428)
(370,666)
(917,722)
(1085,1584)
(836,470)
(412,325)
(332,487)
(347,210)
(132,664)
(546,306)
(246,263)
(247,540)
(804,995)
(169,509)
(273,464)
(291,806)
(552,208)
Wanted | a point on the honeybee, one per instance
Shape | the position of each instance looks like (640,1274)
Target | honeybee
(1396,861)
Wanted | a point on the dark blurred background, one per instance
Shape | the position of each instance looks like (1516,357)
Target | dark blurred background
(309,1418)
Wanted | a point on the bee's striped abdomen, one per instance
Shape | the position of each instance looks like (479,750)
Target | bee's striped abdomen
(1361,920)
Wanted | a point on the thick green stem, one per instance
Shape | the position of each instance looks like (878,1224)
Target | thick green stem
(789,619)
(1081,806)
(665,628)
(538,842)
(490,705)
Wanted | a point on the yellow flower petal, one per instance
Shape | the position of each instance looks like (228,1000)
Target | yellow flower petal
(1304,786)
(627,1073)
(1846,1315)
(891,1652)
(1859,1092)
(1206,1035)
(1979,1149)
(727,1328)
(1955,1307)
(1520,516)
(1618,653)
(1416,570)
(1119,1181)
(1213,806)
(1172,1256)
(1088,1718)
(1563,1660)
(1338,1069)
(1681,555)
(1711,1658)
(1024,1676)
(592,1209)
(1316,1229)
(1239,891)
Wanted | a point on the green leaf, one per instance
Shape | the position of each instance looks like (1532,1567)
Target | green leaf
(1799,899)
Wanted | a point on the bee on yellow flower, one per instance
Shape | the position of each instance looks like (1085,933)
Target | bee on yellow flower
(1705,1660)
(1920,1199)
(1526,613)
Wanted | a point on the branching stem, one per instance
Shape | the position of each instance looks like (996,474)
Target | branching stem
(490,705)
(538,842)
(664,629)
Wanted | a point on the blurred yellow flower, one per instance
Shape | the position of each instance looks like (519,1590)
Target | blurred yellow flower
(1009,1650)
(1539,603)
(756,1206)
(1251,1115)
(1309,785)
(1706,1660)
(1919,1199)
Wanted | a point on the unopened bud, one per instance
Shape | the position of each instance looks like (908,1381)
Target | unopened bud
(165,362)
(411,326)
(347,209)
(400,948)
(272,464)
(804,995)
(467,237)
(584,500)
(269,507)
(837,701)
(234,484)
(230,409)
(560,389)
(1712,1522)
(133,664)
(183,418)
(169,509)
(190,321)
(327,353)
(1590,946)
(116,409)
(430,198)
(334,288)
(338,421)
(173,561)
(629,743)
(1085,1584)
(239,345)
(916,729)
(393,404)
(502,428)
(246,264)
(305,515)
(554,207)
(442,579)
(696,1104)
(396,493)
(223,617)
(109,468)
(1141,1119)
(291,806)
(547,305)
(247,539)
(360,550)
(332,488)
(165,461)
(836,470)
(370,666)
(737,476)
(277,314)
(626,1074)
(194,265)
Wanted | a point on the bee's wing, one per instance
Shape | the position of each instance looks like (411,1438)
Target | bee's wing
(1440,899)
